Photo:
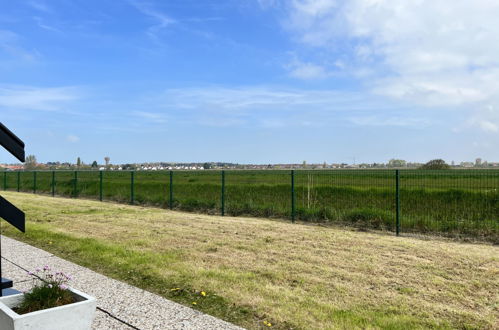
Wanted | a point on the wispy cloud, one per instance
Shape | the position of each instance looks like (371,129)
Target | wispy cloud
(485,119)
(41,23)
(243,99)
(10,45)
(40,6)
(383,120)
(37,98)
(270,107)
(161,19)
(72,138)
(151,116)
(307,70)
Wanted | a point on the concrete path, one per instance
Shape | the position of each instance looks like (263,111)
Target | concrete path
(119,305)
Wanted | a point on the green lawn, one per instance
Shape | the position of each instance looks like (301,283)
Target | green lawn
(256,271)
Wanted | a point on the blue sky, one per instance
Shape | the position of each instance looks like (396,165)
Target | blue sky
(251,81)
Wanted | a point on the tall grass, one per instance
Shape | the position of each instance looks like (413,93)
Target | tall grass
(455,202)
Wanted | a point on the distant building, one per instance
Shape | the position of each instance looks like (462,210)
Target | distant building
(13,167)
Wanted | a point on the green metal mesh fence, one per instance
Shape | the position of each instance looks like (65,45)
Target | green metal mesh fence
(456,202)
(258,193)
(448,202)
(116,186)
(152,188)
(197,191)
(360,198)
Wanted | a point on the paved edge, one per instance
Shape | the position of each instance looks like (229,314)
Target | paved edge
(119,305)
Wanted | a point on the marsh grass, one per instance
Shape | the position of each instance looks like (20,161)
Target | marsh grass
(253,271)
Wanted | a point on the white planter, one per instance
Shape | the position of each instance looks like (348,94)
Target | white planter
(75,316)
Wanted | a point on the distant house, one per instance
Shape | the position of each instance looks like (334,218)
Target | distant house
(13,167)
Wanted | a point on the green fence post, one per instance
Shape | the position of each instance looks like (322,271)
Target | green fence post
(5,180)
(397,201)
(53,183)
(131,187)
(171,190)
(34,182)
(223,192)
(100,185)
(18,181)
(75,185)
(293,196)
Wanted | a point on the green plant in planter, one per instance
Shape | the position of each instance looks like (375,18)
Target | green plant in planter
(49,290)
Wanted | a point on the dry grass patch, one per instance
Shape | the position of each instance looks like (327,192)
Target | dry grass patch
(295,276)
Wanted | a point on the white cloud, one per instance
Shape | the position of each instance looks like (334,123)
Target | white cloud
(486,119)
(273,123)
(400,121)
(73,138)
(433,53)
(250,98)
(40,6)
(151,116)
(10,45)
(43,25)
(36,98)
(488,126)
(162,20)
(307,71)
(268,107)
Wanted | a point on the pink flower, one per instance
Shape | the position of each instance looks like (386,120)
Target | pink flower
(63,287)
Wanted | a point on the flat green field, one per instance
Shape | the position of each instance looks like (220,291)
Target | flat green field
(258,271)
(462,203)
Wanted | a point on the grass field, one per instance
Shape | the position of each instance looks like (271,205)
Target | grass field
(295,276)
(463,203)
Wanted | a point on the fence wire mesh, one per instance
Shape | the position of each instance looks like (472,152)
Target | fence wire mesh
(258,193)
(454,202)
(360,198)
(197,191)
(448,202)
(116,186)
(152,188)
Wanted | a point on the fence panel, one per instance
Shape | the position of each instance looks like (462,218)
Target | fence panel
(363,198)
(44,182)
(9,180)
(116,186)
(64,183)
(197,191)
(88,184)
(453,202)
(152,188)
(258,193)
(26,182)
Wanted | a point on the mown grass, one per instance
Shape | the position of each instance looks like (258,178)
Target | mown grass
(254,270)
(457,203)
